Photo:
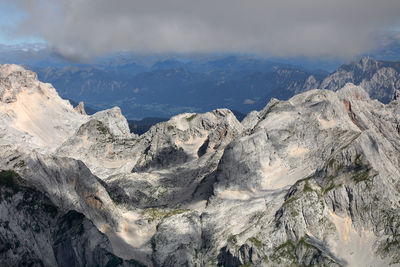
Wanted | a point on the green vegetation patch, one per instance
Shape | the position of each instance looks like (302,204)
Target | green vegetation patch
(361,176)
(307,187)
(256,242)
(327,189)
(103,129)
(273,105)
(290,200)
(285,251)
(331,162)
(294,213)
(303,242)
(154,214)
(232,239)
(189,119)
(391,245)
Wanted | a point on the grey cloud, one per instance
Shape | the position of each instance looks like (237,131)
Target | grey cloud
(311,28)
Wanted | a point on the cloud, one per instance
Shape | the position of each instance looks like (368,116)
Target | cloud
(289,28)
(248,101)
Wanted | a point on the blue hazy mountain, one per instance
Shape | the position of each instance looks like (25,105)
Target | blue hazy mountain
(164,85)
(167,89)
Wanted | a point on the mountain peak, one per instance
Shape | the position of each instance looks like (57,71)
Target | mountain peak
(367,63)
(114,120)
(7,69)
(354,92)
(34,109)
(80,108)
(378,78)
(14,79)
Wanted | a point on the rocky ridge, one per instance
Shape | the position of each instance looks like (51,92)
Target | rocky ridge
(380,79)
(314,180)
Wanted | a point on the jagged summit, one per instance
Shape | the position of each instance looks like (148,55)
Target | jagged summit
(14,79)
(353,92)
(367,64)
(381,79)
(34,110)
(80,108)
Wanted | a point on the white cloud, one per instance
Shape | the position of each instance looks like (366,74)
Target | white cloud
(248,101)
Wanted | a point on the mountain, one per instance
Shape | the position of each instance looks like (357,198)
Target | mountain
(312,180)
(379,78)
(141,126)
(155,85)
(166,85)
(171,89)
(171,86)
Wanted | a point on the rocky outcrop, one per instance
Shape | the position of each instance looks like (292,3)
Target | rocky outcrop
(104,143)
(80,108)
(177,241)
(114,121)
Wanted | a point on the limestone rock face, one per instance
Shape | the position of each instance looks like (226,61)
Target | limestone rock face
(103,142)
(176,159)
(33,114)
(186,137)
(177,240)
(35,232)
(103,150)
(314,180)
(321,161)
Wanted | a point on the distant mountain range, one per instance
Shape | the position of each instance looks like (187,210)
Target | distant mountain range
(379,78)
(170,87)
(163,86)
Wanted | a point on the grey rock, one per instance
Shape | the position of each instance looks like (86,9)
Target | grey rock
(177,241)
(114,121)
(34,232)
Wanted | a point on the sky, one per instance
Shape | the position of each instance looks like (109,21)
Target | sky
(278,28)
